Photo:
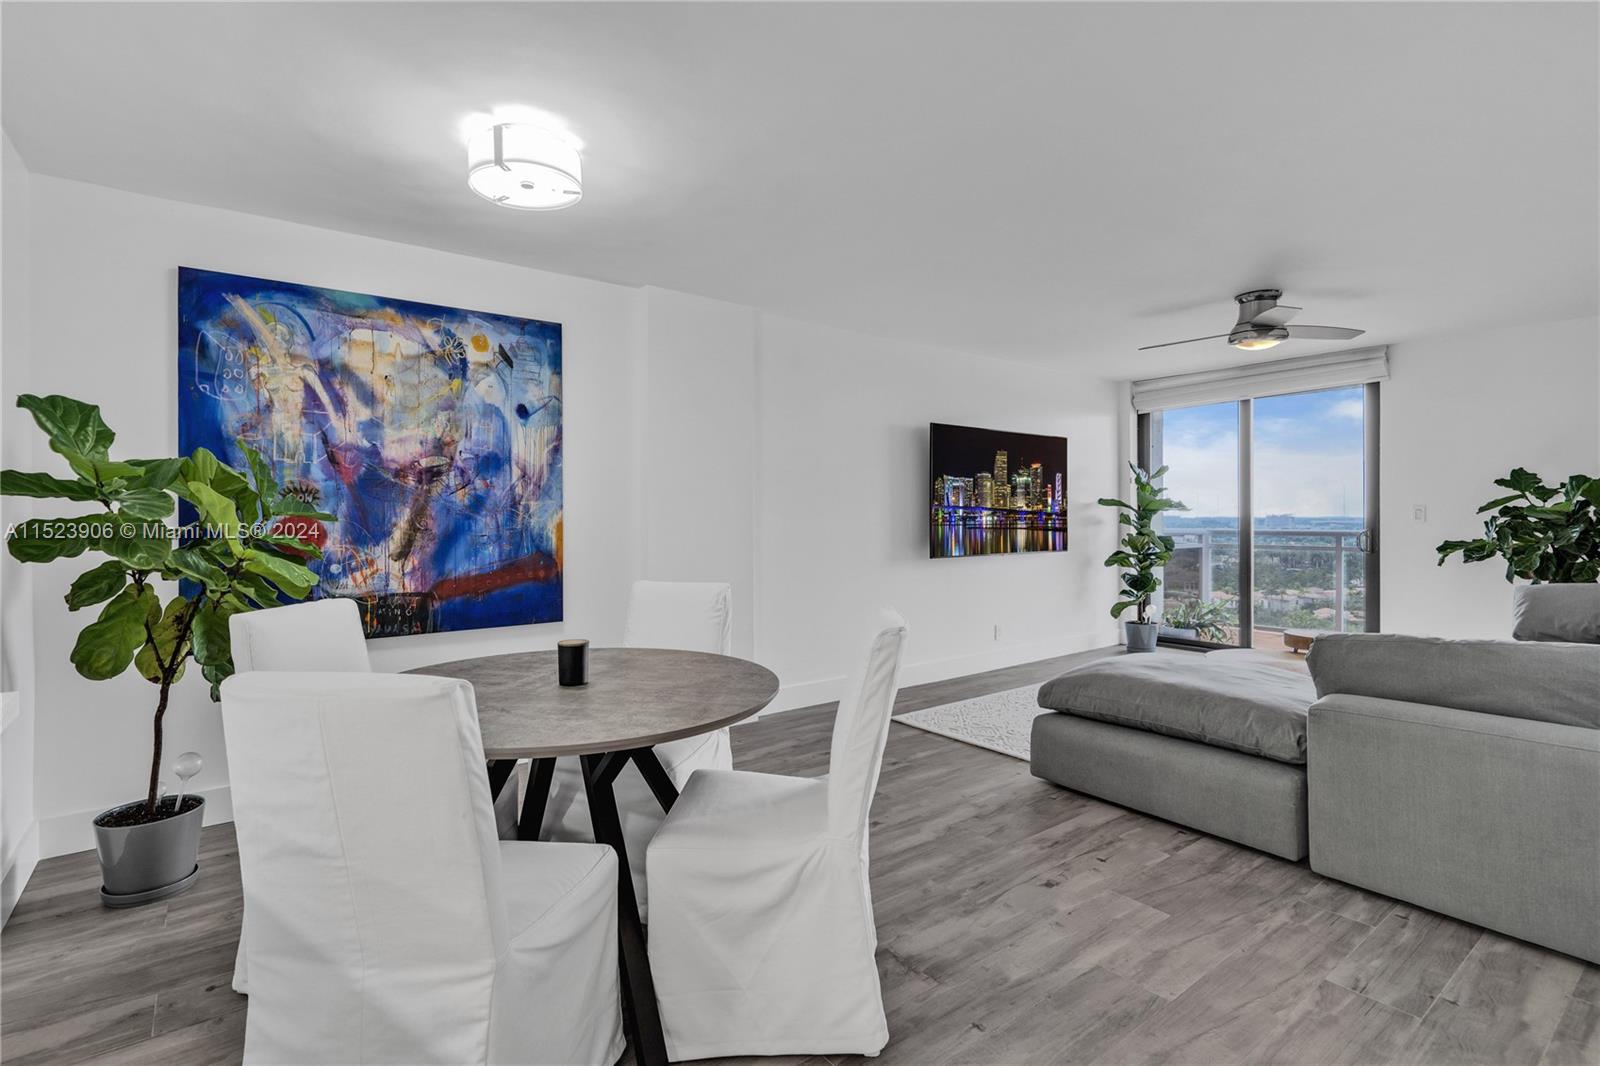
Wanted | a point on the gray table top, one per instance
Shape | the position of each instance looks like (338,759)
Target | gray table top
(635,697)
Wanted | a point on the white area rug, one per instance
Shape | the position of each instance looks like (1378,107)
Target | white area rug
(1000,721)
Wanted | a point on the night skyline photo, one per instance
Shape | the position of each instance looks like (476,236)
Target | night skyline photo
(993,492)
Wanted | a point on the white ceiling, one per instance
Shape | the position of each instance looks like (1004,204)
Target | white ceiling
(1051,182)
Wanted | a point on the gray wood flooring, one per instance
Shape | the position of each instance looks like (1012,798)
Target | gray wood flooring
(1018,923)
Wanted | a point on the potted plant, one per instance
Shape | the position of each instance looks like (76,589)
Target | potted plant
(1197,619)
(246,548)
(1541,538)
(1142,551)
(1547,534)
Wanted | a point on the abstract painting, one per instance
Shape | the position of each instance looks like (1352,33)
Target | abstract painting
(432,433)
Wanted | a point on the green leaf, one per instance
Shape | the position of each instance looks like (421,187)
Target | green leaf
(220,515)
(260,471)
(156,473)
(291,548)
(99,471)
(1500,502)
(257,590)
(196,562)
(142,545)
(292,578)
(40,540)
(1520,481)
(212,646)
(166,644)
(45,487)
(298,508)
(106,647)
(97,584)
(1107,501)
(71,425)
(147,503)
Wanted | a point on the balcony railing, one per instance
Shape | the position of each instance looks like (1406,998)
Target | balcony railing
(1292,547)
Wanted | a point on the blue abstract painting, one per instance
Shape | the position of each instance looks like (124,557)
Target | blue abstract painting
(432,433)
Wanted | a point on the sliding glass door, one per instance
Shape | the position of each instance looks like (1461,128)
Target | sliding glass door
(1280,531)
(1199,597)
(1309,493)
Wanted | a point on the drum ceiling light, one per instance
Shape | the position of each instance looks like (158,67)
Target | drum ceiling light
(525,166)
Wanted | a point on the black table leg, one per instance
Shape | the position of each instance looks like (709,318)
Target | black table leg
(540,775)
(655,775)
(642,1015)
(500,771)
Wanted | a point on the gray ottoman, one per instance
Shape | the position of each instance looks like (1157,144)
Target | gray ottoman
(1216,742)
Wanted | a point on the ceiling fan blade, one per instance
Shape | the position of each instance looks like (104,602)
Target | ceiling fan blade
(1323,333)
(1276,316)
(1191,340)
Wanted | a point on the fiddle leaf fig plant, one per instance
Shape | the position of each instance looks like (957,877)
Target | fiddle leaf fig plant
(1143,549)
(1545,533)
(245,549)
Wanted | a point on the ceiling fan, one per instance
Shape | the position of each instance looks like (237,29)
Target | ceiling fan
(1264,323)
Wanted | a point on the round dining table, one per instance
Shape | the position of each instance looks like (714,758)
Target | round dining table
(635,698)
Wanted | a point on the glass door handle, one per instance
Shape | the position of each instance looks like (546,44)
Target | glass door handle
(1364,541)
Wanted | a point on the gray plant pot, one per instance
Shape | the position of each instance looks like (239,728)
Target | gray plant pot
(1141,636)
(143,863)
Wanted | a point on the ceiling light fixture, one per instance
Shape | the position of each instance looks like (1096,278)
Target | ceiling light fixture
(528,167)
(1256,340)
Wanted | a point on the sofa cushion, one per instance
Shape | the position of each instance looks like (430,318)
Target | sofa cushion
(1543,682)
(1243,703)
(1568,613)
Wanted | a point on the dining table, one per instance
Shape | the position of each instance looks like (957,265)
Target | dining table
(635,698)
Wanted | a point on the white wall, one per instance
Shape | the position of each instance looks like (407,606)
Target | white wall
(699,446)
(843,514)
(697,434)
(1456,413)
(19,833)
(104,286)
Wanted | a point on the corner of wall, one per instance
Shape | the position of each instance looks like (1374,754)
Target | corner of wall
(19,829)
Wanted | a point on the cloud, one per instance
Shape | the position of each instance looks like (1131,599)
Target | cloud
(1206,477)
(1353,409)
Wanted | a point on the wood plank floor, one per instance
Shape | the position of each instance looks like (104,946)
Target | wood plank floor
(1018,923)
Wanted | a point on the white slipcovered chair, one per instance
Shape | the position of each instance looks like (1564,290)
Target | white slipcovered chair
(320,635)
(761,933)
(388,922)
(685,616)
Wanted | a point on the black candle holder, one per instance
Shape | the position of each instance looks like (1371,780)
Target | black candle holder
(572,662)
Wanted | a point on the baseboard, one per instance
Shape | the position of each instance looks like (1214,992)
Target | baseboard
(826,690)
(65,834)
(18,868)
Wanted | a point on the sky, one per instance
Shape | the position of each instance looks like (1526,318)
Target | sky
(1307,449)
(965,452)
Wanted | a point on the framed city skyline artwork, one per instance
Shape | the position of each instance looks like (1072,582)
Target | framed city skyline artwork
(995,492)
(432,433)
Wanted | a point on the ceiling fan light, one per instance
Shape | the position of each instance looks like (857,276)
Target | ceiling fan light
(528,167)
(1257,340)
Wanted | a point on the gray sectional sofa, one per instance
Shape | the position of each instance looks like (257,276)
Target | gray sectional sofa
(1463,776)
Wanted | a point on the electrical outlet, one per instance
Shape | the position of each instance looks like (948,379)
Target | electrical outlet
(997,631)
(1419,512)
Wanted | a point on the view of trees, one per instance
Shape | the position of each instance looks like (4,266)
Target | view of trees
(1295,577)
